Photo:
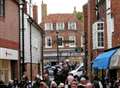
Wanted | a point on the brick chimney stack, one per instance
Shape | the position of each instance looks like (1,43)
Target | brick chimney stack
(43,11)
(35,13)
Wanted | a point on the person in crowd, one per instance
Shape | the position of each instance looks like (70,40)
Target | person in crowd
(43,85)
(85,82)
(97,83)
(117,83)
(74,84)
(70,78)
(82,82)
(36,82)
(53,84)
(46,79)
(61,85)
(10,84)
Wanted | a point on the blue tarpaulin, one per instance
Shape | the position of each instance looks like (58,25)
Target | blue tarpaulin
(102,61)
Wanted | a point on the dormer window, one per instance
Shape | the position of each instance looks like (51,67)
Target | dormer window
(59,26)
(48,26)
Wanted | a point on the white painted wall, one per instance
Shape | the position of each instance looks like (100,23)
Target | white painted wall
(36,43)
(110,23)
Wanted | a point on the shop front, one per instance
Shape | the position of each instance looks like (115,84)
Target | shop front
(8,64)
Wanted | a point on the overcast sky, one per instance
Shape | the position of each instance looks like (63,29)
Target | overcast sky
(60,6)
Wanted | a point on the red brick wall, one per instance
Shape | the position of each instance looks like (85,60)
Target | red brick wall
(9,26)
(115,6)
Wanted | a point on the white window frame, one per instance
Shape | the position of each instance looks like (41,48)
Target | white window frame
(62,42)
(60,26)
(48,26)
(72,38)
(95,31)
(70,25)
(46,41)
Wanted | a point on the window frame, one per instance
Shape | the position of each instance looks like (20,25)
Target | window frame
(70,25)
(98,40)
(46,41)
(48,26)
(60,26)
(61,46)
(73,38)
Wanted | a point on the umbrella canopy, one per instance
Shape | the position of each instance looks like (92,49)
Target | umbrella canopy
(115,60)
(102,61)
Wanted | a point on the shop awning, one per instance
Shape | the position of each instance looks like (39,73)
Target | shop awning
(115,60)
(102,61)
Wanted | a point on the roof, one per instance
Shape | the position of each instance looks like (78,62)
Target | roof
(35,23)
(60,18)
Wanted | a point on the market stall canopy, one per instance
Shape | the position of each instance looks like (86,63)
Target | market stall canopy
(102,61)
(115,60)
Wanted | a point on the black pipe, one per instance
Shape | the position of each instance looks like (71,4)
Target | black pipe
(30,52)
(23,49)
(42,56)
(57,42)
(19,50)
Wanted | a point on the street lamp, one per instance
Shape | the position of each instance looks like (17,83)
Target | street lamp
(21,38)
(57,42)
(85,52)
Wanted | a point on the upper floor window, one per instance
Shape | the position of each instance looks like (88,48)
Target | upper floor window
(98,35)
(59,26)
(48,26)
(72,42)
(2,7)
(60,41)
(71,25)
(48,42)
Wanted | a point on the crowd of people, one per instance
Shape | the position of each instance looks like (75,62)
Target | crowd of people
(62,79)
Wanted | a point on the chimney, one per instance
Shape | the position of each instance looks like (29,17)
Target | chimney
(25,7)
(43,10)
(35,13)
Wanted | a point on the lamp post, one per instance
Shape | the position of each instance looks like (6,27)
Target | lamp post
(57,42)
(21,38)
(85,53)
(42,56)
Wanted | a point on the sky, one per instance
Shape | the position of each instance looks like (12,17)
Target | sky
(60,6)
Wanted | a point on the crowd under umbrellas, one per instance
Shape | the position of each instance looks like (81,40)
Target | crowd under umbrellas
(62,79)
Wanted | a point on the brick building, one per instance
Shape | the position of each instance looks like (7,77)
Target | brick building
(102,20)
(9,39)
(61,29)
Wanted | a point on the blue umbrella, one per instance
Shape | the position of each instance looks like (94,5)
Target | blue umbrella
(102,61)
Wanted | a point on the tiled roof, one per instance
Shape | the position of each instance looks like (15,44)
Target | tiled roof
(60,18)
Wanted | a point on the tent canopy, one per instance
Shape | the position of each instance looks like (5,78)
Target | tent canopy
(102,61)
(115,60)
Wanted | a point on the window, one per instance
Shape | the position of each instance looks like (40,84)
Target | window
(98,35)
(72,42)
(60,41)
(100,39)
(2,7)
(48,26)
(72,25)
(48,42)
(59,26)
